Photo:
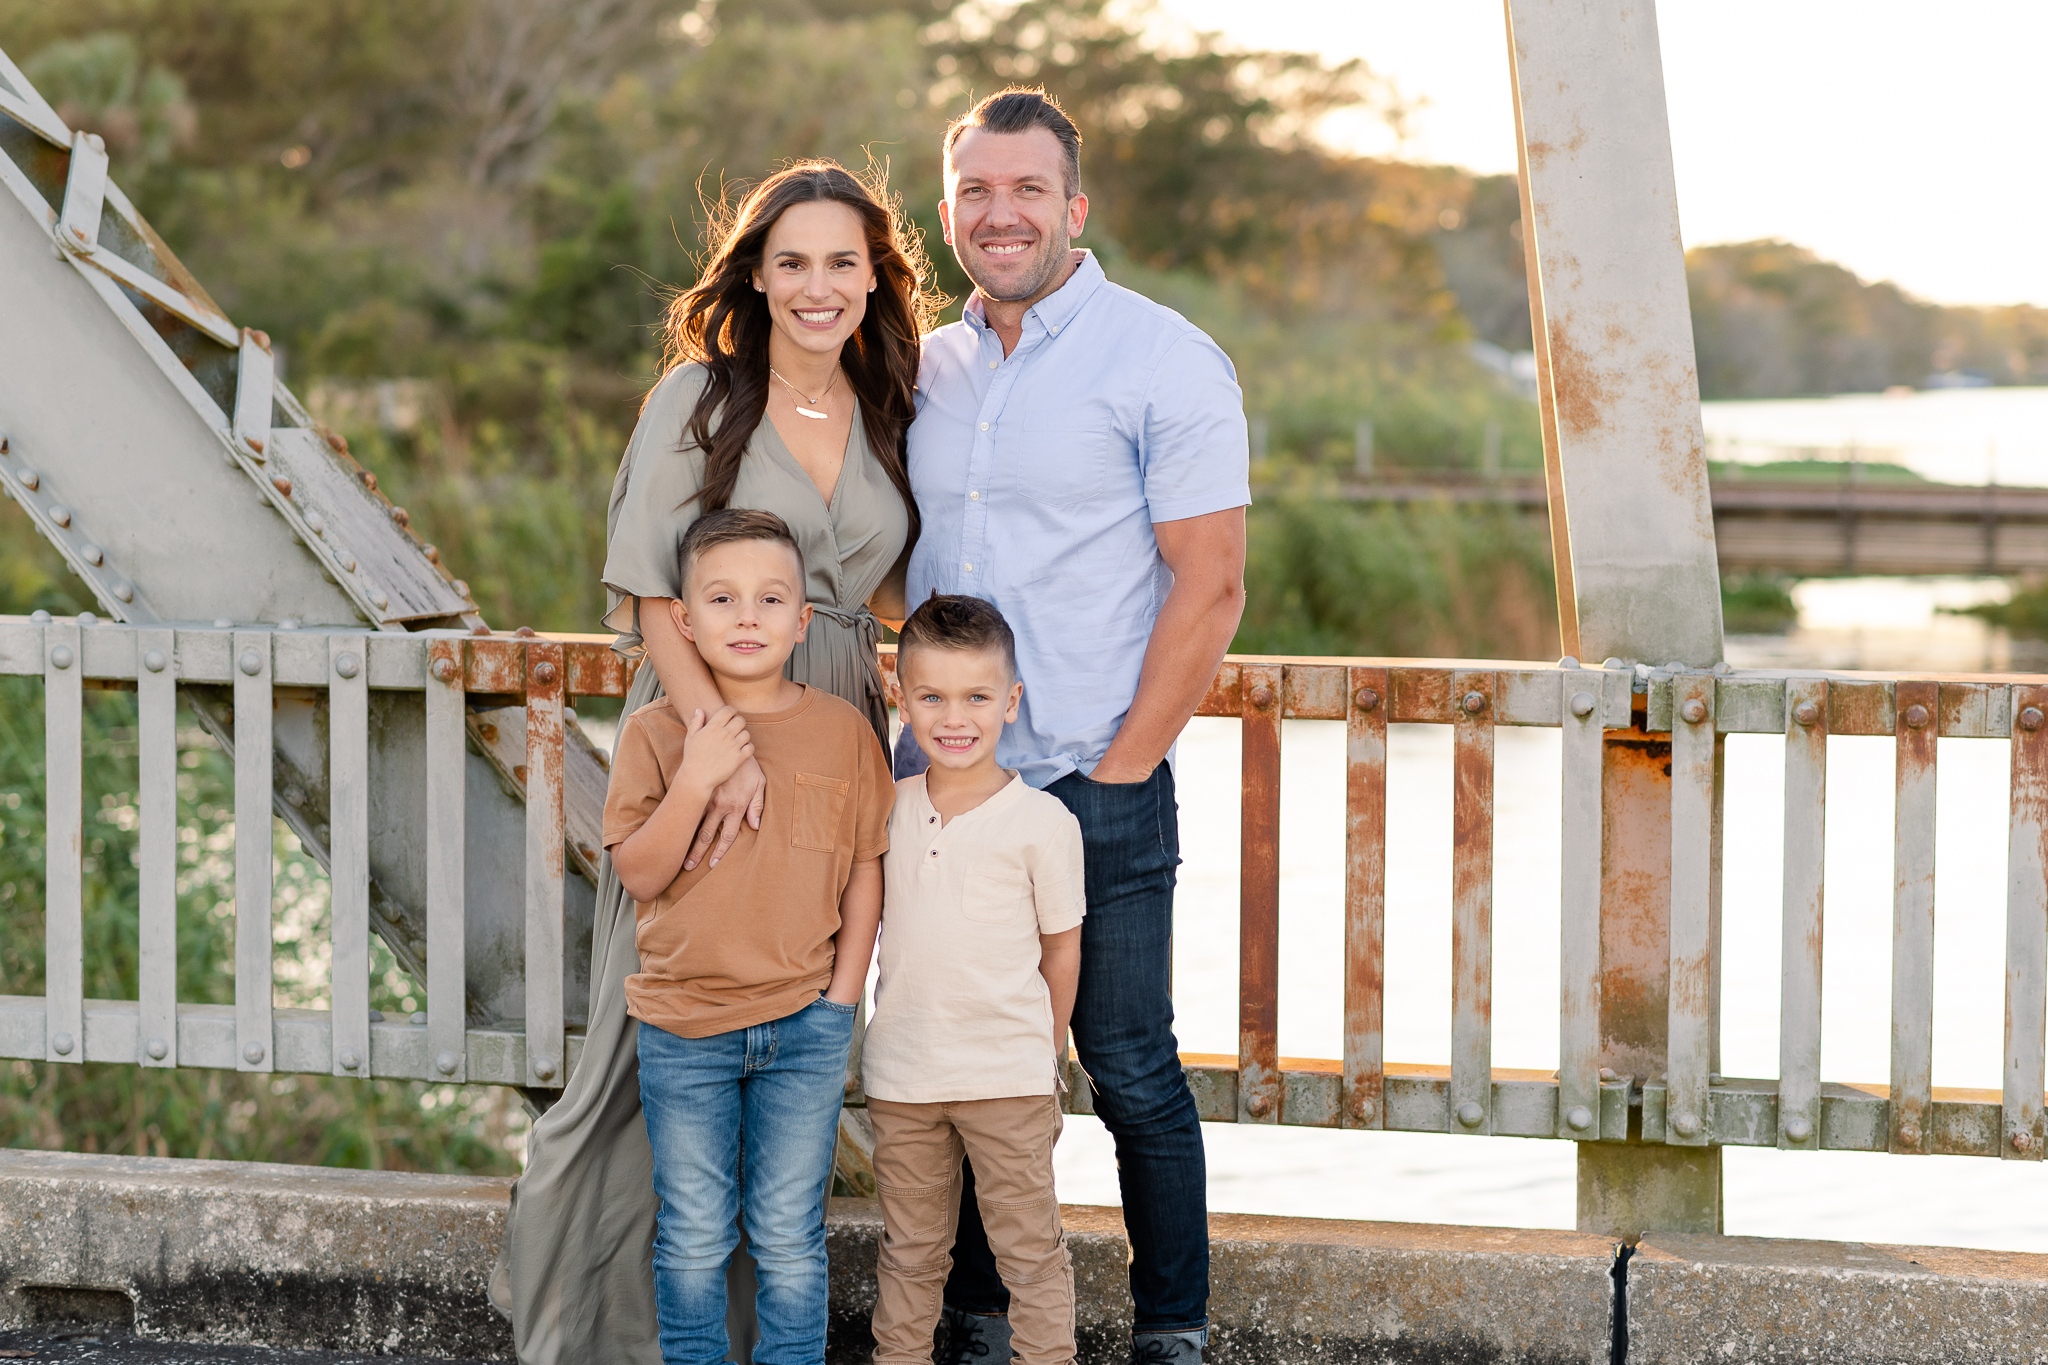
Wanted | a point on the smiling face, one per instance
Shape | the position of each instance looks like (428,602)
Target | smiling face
(956,701)
(743,607)
(1006,213)
(816,275)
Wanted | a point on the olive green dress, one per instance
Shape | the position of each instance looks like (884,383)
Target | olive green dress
(575,1273)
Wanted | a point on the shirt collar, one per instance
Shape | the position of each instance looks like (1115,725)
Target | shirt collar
(1056,309)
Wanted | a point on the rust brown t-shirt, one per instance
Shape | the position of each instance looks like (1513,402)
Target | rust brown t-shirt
(750,940)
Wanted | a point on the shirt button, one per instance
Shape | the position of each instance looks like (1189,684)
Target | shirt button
(993,363)
(935,853)
(1055,331)
(975,496)
(934,820)
(984,426)
(969,567)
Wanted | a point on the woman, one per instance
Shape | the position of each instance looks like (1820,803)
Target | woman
(792,369)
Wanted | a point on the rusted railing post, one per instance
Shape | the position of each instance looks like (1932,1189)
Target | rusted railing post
(1633,533)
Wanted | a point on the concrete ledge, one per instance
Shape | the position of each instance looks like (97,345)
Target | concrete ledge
(351,1260)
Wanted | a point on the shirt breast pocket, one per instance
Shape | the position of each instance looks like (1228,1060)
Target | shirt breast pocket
(1059,468)
(998,895)
(819,813)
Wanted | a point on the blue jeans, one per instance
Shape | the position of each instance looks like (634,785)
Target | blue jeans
(774,1092)
(1123,1028)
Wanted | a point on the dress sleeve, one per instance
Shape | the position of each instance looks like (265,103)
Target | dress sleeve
(1058,884)
(636,785)
(650,507)
(876,796)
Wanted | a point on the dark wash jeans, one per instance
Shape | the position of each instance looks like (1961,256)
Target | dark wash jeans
(1123,1028)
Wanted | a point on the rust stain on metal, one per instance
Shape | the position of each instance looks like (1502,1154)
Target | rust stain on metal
(1420,694)
(496,666)
(1912,1079)
(597,670)
(1583,391)
(1472,899)
(1315,691)
(1860,708)
(1259,1094)
(1221,698)
(1365,900)
(1635,902)
(2026,930)
(544,745)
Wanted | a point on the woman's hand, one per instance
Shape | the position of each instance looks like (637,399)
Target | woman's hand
(740,797)
(714,747)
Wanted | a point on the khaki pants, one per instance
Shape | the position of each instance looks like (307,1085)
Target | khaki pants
(917,1176)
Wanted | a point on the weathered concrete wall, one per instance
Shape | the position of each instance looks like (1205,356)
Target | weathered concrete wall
(301,1256)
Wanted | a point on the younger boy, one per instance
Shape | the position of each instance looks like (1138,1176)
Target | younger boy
(750,968)
(981,950)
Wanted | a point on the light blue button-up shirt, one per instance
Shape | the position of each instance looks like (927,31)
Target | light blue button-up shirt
(1039,477)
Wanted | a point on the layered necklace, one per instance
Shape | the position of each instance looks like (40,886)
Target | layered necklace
(812,411)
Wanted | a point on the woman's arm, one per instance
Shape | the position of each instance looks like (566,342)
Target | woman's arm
(860,919)
(685,678)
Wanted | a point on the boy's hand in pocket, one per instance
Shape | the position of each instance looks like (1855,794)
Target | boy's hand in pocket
(714,747)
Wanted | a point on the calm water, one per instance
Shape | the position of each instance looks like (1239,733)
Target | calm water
(1958,436)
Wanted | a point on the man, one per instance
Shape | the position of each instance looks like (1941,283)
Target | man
(1079,460)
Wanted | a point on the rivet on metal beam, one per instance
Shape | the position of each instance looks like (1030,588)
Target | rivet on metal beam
(1916,716)
(1798,1129)
(222,623)
(1694,710)
(1567,662)
(347,665)
(347,560)
(1806,713)
(369,480)
(61,1044)
(1262,696)
(1909,1133)
(61,657)
(401,516)
(40,617)
(378,599)
(253,1053)
(1579,1119)
(461,587)
(1469,1113)
(525,632)
(445,1063)
(1607,1073)
(1475,702)
(544,674)
(122,589)
(155,661)
(1365,1110)
(349,1061)
(1582,703)
(2022,1141)
(1685,1125)
(30,479)
(92,554)
(251,662)
(60,514)
(281,484)
(288,623)
(316,523)
(3,445)
(2030,718)
(444,669)
(432,552)
(1366,698)
(1258,1106)
(86,618)
(157,1049)
(480,630)
(544,1067)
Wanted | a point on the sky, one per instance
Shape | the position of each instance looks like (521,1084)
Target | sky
(1906,141)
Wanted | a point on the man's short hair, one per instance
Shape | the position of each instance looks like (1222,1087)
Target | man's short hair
(730,524)
(1018,110)
(958,622)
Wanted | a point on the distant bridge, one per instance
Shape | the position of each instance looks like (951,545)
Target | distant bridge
(1818,527)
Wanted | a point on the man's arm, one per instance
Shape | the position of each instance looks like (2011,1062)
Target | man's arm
(1194,630)
(860,919)
(1059,962)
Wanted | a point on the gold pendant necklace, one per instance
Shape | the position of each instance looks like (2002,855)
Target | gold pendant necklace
(801,410)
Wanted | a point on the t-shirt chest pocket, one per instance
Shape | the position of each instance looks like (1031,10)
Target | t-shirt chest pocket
(820,812)
(995,895)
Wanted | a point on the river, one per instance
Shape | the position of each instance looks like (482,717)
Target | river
(1955,436)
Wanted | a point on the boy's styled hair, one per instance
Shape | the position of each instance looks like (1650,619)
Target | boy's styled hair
(1020,109)
(730,524)
(957,622)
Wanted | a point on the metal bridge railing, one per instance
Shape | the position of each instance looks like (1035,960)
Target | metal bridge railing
(504,695)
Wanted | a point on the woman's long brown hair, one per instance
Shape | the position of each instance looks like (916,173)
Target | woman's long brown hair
(723,323)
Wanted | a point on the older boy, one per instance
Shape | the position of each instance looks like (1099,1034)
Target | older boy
(751,967)
(981,951)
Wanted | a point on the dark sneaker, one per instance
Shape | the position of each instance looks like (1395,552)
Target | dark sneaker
(1168,1348)
(972,1339)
